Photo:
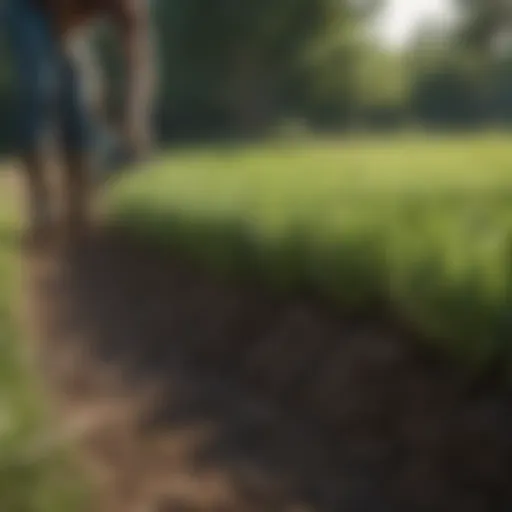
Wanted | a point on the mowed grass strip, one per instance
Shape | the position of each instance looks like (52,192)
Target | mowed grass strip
(36,475)
(421,225)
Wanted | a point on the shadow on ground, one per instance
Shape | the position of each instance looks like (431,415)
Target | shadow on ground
(189,395)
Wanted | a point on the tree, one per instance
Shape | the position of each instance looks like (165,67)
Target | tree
(7,107)
(445,78)
(482,24)
(237,58)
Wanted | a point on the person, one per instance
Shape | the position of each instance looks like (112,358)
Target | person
(43,37)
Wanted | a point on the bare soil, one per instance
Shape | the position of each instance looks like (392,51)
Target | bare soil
(185,394)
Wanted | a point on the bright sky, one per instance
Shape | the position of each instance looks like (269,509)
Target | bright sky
(400,18)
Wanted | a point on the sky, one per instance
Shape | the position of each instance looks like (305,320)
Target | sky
(397,24)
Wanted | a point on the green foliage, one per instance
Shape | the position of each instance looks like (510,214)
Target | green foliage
(238,65)
(422,226)
(6,100)
(36,474)
(481,21)
(242,67)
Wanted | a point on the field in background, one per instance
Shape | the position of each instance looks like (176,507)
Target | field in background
(35,474)
(423,226)
(420,226)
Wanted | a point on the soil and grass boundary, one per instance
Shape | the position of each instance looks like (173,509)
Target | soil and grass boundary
(416,228)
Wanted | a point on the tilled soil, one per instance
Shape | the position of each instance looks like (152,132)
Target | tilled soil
(187,394)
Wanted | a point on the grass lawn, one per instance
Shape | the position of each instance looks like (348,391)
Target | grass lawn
(33,477)
(423,225)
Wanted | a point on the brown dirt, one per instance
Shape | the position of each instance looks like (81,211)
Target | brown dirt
(186,394)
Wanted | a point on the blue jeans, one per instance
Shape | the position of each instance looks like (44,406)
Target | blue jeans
(48,87)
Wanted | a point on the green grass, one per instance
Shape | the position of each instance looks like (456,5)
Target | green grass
(35,476)
(421,225)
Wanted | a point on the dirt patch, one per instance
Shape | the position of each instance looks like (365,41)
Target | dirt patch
(186,394)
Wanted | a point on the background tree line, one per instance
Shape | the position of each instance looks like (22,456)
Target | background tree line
(240,66)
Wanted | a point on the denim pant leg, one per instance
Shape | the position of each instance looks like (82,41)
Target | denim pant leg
(50,87)
(33,55)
